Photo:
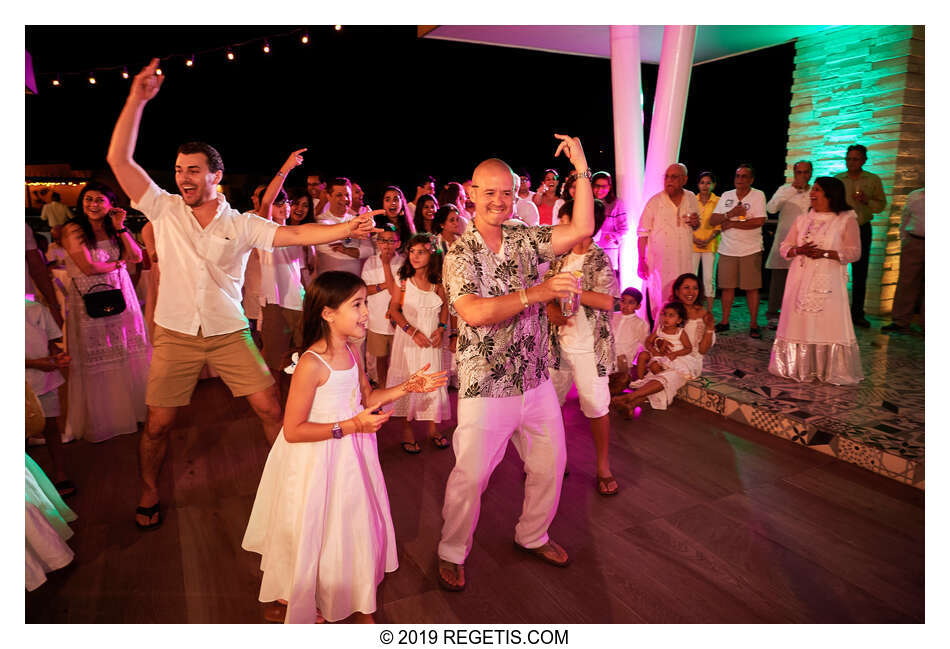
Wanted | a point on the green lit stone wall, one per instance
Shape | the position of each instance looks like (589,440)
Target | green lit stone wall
(864,84)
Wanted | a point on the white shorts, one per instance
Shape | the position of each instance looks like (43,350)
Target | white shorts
(581,370)
(50,403)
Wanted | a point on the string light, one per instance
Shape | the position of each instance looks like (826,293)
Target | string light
(266,47)
(230,55)
(92,79)
(125,72)
(158,72)
(305,39)
(56,82)
(338,27)
(54,184)
(190,61)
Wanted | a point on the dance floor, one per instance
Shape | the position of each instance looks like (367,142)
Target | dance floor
(715,522)
(878,424)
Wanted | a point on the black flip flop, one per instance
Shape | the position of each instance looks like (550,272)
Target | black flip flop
(65,488)
(447,585)
(408,448)
(148,512)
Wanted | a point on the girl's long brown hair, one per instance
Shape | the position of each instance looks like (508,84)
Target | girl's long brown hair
(330,289)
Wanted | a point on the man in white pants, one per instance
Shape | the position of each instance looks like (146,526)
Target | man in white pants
(491,277)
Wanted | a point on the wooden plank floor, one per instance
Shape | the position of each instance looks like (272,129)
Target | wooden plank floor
(715,522)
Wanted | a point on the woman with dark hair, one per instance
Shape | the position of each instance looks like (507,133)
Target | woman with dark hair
(706,236)
(546,197)
(815,338)
(567,194)
(660,388)
(454,194)
(615,226)
(426,206)
(394,211)
(111,354)
(445,225)
(301,211)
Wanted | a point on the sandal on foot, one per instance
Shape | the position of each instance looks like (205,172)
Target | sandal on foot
(543,552)
(412,448)
(754,332)
(440,441)
(458,571)
(148,512)
(65,488)
(602,487)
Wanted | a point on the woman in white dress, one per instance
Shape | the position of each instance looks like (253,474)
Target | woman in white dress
(815,338)
(110,355)
(660,388)
(421,314)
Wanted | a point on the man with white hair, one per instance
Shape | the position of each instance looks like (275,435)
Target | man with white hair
(665,237)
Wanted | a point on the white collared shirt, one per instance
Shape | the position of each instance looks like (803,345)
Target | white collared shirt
(741,243)
(378,303)
(202,270)
(329,259)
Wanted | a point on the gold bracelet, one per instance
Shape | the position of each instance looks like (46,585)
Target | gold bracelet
(523,294)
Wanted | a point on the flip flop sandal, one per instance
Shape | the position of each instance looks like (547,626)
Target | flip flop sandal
(602,486)
(440,441)
(412,448)
(148,512)
(275,612)
(540,554)
(447,585)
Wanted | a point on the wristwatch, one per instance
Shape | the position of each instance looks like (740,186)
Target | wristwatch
(337,431)
(826,254)
(587,174)
(121,230)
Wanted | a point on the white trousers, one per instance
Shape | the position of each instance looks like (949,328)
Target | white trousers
(532,422)
(709,261)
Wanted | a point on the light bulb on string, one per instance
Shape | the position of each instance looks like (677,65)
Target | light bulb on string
(266,47)
(189,62)
(56,82)
(305,39)
(230,55)
(92,79)
(338,27)
(158,72)
(125,72)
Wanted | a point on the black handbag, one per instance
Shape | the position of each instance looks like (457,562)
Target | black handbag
(101,304)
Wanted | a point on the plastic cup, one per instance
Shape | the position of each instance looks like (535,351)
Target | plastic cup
(572,303)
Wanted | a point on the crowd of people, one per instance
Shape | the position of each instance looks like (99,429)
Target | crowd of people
(331,317)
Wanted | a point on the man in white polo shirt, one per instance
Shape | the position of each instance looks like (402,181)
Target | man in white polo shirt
(204,244)
(346,254)
(741,212)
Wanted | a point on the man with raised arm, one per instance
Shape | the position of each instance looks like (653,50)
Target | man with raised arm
(505,393)
(204,244)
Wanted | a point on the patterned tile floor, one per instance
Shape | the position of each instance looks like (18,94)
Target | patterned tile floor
(878,424)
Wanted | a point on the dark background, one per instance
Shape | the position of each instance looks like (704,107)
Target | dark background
(379,105)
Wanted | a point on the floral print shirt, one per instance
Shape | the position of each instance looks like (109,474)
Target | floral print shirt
(508,358)
(598,277)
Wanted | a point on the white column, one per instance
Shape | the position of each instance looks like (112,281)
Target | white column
(628,138)
(669,107)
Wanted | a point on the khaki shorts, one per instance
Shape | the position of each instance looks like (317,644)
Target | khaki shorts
(740,272)
(280,330)
(378,345)
(177,360)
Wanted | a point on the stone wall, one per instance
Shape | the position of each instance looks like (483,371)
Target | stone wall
(864,84)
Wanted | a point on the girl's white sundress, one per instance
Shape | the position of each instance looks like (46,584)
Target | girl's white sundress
(321,520)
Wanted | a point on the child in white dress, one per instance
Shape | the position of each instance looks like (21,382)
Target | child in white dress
(421,314)
(321,520)
(666,345)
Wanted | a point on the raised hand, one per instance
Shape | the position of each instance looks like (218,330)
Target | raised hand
(117,214)
(363,226)
(369,422)
(146,83)
(573,151)
(295,159)
(422,382)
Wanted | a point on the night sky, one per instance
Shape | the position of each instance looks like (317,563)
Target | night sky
(379,105)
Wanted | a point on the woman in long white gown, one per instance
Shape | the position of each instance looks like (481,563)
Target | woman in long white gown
(815,337)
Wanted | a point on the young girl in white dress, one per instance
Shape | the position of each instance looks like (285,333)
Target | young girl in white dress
(668,354)
(321,520)
(421,314)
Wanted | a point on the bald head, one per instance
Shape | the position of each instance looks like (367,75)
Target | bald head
(674,179)
(493,184)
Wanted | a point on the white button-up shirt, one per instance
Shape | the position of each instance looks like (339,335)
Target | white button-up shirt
(790,203)
(280,277)
(329,259)
(202,269)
